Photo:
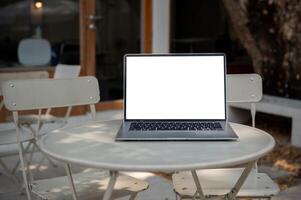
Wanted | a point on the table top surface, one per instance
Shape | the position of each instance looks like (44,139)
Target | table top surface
(93,145)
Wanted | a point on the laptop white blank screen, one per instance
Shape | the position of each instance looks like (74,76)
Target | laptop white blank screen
(175,87)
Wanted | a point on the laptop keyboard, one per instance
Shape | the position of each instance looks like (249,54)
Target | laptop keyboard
(166,126)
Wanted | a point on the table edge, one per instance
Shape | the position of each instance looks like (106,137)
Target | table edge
(158,168)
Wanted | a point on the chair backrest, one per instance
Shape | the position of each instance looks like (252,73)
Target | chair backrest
(34,52)
(66,71)
(244,88)
(46,93)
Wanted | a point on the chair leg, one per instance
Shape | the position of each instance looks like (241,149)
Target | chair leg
(31,152)
(176,196)
(70,179)
(24,170)
(108,193)
(133,196)
(198,185)
(18,162)
(28,166)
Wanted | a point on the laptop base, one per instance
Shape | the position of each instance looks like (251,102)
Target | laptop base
(176,135)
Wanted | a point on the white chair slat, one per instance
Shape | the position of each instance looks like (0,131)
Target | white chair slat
(21,75)
(244,88)
(66,71)
(47,93)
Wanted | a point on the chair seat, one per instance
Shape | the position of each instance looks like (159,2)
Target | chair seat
(45,118)
(89,185)
(9,136)
(220,181)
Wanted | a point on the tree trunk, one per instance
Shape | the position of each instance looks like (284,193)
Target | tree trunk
(270,31)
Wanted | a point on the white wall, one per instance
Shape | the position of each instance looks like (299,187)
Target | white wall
(161,26)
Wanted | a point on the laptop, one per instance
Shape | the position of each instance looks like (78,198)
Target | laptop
(175,97)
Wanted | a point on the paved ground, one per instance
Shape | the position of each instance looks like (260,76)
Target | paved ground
(160,187)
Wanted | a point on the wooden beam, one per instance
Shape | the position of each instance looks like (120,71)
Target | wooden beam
(87,37)
(147,26)
(107,105)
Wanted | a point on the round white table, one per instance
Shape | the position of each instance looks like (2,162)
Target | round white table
(93,145)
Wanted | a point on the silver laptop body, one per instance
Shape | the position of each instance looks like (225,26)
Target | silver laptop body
(175,97)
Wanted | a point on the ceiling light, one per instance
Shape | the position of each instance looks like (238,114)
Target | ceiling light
(38,4)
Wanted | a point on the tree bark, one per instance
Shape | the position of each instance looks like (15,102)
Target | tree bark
(238,22)
(270,31)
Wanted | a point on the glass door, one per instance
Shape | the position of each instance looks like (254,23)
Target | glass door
(117,26)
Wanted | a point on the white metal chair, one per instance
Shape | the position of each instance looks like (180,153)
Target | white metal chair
(8,141)
(40,94)
(26,121)
(34,52)
(240,88)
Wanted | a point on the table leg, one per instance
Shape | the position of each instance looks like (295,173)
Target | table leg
(198,185)
(234,191)
(70,179)
(108,193)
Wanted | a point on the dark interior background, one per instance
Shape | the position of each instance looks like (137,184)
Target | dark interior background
(196,26)
(202,26)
